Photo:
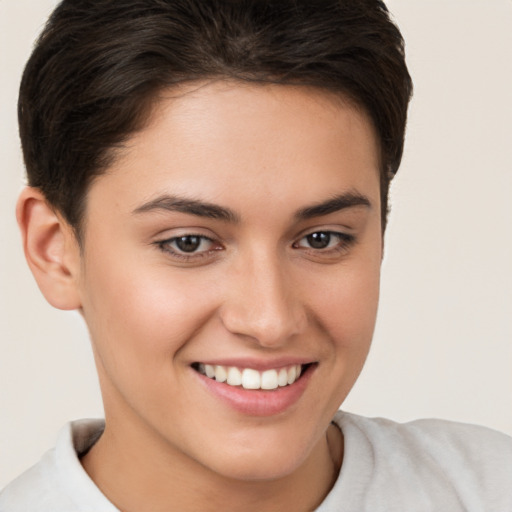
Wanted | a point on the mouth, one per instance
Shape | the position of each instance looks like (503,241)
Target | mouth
(259,392)
(252,379)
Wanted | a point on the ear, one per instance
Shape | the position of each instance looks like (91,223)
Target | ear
(51,249)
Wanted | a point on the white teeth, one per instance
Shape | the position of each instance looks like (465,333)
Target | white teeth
(282,378)
(269,379)
(234,376)
(292,373)
(249,378)
(220,374)
(209,370)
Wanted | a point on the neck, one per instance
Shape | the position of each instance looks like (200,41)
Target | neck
(147,478)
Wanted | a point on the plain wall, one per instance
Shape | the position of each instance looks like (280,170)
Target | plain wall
(442,346)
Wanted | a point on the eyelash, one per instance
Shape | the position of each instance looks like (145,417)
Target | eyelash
(345,240)
(165,246)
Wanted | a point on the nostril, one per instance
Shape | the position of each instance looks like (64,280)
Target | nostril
(267,328)
(263,306)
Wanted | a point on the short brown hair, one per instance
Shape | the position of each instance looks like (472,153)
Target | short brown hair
(99,64)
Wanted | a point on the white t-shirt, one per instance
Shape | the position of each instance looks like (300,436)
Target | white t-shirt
(425,465)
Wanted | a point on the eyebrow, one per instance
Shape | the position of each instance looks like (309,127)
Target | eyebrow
(213,211)
(337,203)
(189,206)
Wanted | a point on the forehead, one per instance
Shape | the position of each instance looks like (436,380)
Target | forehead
(245,144)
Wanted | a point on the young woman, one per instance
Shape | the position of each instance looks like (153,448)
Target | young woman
(208,186)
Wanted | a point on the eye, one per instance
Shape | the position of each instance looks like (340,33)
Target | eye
(188,246)
(322,240)
(190,243)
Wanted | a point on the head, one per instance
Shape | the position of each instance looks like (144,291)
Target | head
(215,178)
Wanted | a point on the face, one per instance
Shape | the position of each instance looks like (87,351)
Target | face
(237,237)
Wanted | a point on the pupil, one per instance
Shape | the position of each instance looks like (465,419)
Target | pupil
(188,243)
(319,240)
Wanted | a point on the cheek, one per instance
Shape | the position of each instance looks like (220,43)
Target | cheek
(347,309)
(139,321)
(140,317)
(139,299)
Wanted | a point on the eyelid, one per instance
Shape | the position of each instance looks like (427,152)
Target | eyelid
(345,242)
(164,245)
(183,230)
(333,234)
(336,229)
(331,231)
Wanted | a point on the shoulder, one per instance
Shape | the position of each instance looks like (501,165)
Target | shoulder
(466,465)
(35,489)
(58,483)
(447,437)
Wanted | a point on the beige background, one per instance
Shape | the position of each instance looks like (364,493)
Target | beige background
(443,342)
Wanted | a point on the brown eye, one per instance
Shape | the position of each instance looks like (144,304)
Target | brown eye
(188,243)
(325,241)
(319,240)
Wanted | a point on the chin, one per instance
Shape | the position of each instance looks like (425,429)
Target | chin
(258,460)
(259,469)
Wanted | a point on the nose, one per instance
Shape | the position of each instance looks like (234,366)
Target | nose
(263,303)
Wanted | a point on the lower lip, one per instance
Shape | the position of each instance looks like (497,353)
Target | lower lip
(259,402)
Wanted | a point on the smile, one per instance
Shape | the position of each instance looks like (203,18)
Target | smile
(265,391)
(249,378)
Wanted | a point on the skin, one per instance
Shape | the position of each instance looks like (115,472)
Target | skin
(257,290)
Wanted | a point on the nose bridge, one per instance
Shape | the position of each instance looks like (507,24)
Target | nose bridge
(265,304)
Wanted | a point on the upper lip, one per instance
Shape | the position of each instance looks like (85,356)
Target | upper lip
(257,364)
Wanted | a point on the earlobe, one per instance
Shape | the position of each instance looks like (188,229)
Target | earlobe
(51,249)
